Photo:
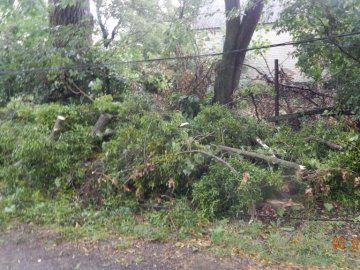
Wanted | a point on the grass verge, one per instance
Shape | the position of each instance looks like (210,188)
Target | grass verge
(303,243)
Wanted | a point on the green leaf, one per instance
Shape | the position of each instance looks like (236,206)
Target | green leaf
(328,206)
(10,209)
(354,138)
(280,211)
(57,182)
(188,168)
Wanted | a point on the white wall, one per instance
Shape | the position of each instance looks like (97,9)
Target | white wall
(211,41)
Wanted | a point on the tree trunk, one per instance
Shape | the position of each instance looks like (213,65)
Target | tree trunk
(76,15)
(71,27)
(237,38)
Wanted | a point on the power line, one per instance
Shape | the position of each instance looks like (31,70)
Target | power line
(92,65)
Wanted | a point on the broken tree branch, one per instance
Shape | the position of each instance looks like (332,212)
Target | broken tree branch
(265,146)
(269,159)
(329,144)
(255,106)
(78,90)
(218,159)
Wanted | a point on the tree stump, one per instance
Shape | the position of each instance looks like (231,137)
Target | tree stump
(55,133)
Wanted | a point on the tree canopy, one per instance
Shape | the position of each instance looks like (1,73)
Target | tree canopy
(334,62)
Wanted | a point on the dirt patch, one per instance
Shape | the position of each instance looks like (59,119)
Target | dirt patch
(27,247)
(33,248)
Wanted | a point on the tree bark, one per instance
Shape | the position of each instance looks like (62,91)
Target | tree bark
(78,16)
(237,38)
(71,27)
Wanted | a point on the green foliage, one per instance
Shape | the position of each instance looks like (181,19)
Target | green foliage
(147,149)
(180,218)
(223,193)
(96,187)
(148,154)
(222,126)
(30,157)
(338,59)
(336,171)
(29,44)
(152,154)
(189,105)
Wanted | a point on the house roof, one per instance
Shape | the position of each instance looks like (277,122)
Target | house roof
(212,14)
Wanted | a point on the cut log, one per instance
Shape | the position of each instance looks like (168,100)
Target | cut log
(101,124)
(269,159)
(55,133)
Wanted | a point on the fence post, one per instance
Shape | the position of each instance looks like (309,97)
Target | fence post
(277,91)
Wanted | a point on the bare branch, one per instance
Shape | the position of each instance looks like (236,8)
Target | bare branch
(218,159)
(332,40)
(269,159)
(78,90)
(255,106)
(103,29)
(268,80)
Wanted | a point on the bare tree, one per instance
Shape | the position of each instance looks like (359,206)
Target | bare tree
(239,32)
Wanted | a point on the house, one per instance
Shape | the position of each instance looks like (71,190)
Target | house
(210,31)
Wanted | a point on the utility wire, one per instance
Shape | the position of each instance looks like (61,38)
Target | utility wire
(92,65)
